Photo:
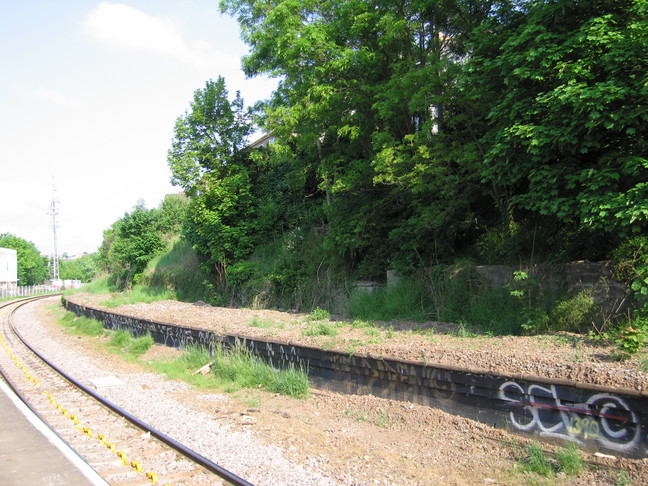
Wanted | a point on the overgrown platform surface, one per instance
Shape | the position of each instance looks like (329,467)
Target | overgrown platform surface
(562,356)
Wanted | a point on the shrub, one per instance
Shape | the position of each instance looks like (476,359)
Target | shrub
(574,314)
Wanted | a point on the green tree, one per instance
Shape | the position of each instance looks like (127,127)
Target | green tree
(208,161)
(173,211)
(207,137)
(130,243)
(84,268)
(32,267)
(367,103)
(567,129)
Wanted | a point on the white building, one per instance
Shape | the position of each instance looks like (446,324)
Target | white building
(8,268)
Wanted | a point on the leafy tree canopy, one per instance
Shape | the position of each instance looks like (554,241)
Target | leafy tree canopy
(130,243)
(32,267)
(84,268)
(207,136)
(567,127)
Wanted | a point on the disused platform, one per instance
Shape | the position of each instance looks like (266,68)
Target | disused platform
(31,454)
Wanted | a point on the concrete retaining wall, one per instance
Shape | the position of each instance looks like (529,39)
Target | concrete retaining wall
(568,279)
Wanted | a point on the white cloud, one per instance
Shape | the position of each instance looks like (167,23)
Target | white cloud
(125,27)
(57,98)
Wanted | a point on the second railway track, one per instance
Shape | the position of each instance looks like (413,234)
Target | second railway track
(101,433)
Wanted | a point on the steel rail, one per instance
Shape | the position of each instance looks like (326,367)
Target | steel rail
(182,449)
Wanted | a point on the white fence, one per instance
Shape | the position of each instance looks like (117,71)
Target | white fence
(27,290)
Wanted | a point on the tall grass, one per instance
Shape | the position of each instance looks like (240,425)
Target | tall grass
(234,369)
(175,274)
(139,293)
(178,270)
(81,325)
(101,285)
(126,343)
(441,295)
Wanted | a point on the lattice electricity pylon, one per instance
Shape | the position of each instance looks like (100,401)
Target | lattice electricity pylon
(53,212)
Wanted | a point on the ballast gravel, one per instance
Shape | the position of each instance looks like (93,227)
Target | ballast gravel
(149,397)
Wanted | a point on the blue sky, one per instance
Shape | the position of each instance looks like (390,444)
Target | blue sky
(89,94)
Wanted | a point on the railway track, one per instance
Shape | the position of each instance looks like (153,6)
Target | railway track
(121,448)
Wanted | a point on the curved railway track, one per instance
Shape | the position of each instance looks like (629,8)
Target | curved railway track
(120,447)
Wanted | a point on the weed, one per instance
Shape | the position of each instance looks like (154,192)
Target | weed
(623,479)
(573,314)
(328,345)
(120,339)
(320,329)
(81,325)
(464,332)
(643,362)
(372,332)
(140,345)
(382,419)
(358,415)
(390,332)
(99,286)
(125,342)
(569,460)
(360,324)
(139,294)
(629,338)
(234,369)
(536,462)
(403,301)
(318,315)
(256,322)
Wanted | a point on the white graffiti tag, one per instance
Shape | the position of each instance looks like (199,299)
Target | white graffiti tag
(605,418)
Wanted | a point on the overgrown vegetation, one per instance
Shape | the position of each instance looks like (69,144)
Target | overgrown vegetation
(234,369)
(122,341)
(567,460)
(477,137)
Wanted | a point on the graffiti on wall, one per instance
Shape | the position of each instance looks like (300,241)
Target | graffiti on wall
(604,418)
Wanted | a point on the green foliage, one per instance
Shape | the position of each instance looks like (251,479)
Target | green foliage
(632,267)
(81,325)
(173,212)
(84,268)
(318,314)
(207,137)
(525,290)
(130,243)
(234,369)
(407,135)
(32,267)
(629,338)
(568,461)
(565,136)
(573,314)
